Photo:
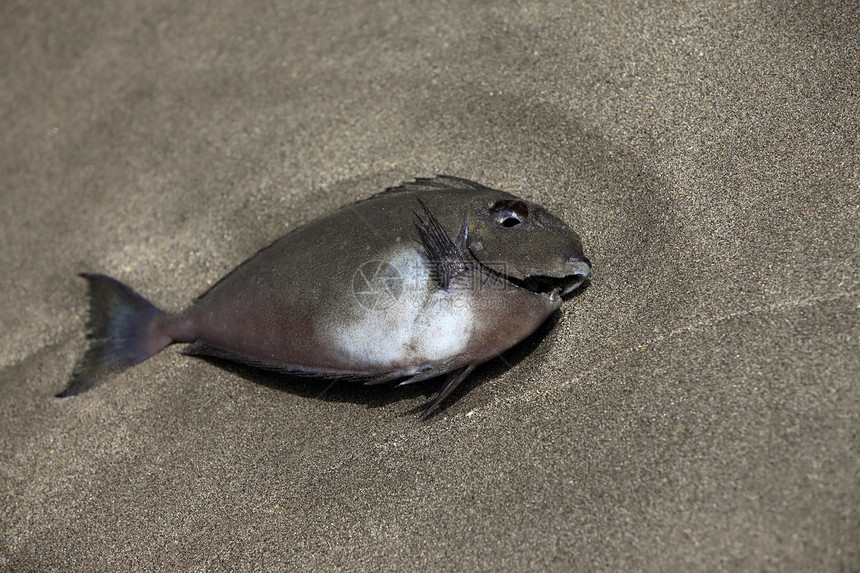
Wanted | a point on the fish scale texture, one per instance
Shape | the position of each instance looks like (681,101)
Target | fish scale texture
(696,408)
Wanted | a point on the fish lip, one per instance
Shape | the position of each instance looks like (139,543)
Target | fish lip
(580,276)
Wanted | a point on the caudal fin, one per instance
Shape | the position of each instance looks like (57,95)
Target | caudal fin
(122,330)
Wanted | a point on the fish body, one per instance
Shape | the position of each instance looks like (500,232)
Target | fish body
(432,277)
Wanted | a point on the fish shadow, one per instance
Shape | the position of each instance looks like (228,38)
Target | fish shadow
(322,388)
(513,356)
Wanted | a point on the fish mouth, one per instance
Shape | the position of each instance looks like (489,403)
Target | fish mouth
(551,285)
(577,272)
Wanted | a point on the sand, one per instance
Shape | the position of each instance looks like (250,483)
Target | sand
(696,408)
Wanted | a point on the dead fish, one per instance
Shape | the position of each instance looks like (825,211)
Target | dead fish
(432,277)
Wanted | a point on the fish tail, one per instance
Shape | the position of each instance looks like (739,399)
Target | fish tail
(123,329)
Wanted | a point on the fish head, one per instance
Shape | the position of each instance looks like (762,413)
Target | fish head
(526,244)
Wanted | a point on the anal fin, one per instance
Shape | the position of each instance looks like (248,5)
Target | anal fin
(203,350)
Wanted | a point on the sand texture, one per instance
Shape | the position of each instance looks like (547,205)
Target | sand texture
(697,408)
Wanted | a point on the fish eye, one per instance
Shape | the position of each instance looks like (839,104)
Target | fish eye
(509,213)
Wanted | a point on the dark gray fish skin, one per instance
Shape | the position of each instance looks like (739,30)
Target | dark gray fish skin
(432,277)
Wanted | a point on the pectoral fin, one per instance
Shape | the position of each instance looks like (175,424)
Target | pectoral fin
(447,258)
